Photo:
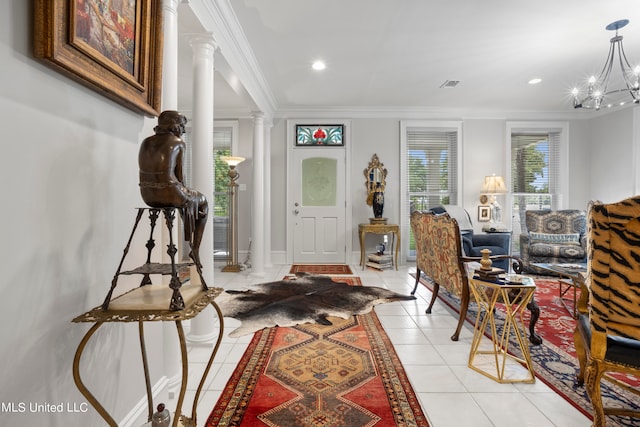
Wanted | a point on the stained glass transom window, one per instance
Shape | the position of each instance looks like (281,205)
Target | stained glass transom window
(314,135)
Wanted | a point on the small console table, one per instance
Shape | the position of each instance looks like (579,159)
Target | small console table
(149,304)
(515,297)
(392,229)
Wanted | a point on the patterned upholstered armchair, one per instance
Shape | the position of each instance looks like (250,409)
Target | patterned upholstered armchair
(474,243)
(607,335)
(439,256)
(553,237)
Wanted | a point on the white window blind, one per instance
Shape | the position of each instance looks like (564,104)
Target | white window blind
(535,175)
(431,158)
(430,175)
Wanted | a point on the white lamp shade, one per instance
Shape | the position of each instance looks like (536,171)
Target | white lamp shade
(231,160)
(494,185)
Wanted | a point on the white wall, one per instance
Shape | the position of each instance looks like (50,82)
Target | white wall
(69,175)
(483,153)
(613,164)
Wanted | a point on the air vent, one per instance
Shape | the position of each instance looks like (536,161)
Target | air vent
(449,83)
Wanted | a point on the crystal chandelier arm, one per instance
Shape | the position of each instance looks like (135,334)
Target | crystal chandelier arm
(599,89)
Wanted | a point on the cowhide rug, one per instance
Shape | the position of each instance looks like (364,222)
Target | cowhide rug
(304,299)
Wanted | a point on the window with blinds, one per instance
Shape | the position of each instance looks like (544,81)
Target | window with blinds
(430,176)
(535,175)
(431,168)
(223,136)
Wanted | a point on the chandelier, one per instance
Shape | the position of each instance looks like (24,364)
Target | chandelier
(597,92)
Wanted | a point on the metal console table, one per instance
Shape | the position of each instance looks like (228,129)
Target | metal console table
(149,304)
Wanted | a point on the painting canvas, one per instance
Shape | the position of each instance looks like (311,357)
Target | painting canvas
(109,27)
(111,46)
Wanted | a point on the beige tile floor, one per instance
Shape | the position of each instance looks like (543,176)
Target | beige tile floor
(451,394)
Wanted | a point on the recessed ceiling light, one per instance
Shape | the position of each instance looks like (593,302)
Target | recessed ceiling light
(535,81)
(319,65)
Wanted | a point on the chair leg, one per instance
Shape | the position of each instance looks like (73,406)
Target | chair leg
(464,307)
(415,286)
(534,338)
(581,353)
(593,379)
(434,296)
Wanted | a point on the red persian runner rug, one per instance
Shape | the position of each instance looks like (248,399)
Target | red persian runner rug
(341,375)
(555,362)
(320,269)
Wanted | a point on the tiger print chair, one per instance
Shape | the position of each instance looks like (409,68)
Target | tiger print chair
(607,335)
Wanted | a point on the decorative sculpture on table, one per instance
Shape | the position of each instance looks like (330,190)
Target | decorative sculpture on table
(162,188)
(376,175)
(162,181)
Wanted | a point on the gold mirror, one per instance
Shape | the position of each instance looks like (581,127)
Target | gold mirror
(376,175)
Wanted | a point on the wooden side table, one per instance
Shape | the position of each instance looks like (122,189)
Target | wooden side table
(392,229)
(501,365)
(147,304)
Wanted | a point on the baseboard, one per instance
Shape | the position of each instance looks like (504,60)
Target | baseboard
(138,414)
(278,257)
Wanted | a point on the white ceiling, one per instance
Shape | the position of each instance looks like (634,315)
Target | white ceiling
(395,54)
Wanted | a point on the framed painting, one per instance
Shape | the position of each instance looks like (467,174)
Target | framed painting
(113,47)
(484,213)
(315,135)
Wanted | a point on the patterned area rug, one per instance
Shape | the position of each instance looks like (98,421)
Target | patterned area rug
(555,361)
(346,374)
(321,269)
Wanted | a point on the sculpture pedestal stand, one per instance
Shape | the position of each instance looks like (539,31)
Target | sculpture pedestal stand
(148,304)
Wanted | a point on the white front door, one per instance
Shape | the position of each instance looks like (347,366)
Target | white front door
(317,205)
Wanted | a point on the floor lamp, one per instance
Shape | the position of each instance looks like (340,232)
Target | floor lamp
(232,226)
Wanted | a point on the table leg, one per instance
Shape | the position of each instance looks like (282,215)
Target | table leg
(397,249)
(362,233)
(211,358)
(570,283)
(83,389)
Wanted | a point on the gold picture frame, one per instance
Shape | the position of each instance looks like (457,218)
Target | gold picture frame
(116,52)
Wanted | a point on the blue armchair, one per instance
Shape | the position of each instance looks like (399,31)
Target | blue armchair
(472,243)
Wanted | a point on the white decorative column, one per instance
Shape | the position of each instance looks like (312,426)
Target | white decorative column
(267,192)
(171,345)
(170,55)
(257,214)
(203,46)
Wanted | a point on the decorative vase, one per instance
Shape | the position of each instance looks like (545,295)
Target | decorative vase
(378,202)
(162,418)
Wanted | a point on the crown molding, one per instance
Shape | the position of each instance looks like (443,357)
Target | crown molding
(425,113)
(217,16)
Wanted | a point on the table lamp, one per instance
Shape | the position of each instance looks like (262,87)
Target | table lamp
(494,185)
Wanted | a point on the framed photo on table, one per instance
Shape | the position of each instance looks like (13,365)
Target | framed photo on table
(484,213)
(116,51)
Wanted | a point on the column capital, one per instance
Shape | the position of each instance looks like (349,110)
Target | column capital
(170,5)
(202,40)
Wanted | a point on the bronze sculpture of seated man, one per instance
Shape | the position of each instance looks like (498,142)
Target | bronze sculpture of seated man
(161,178)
